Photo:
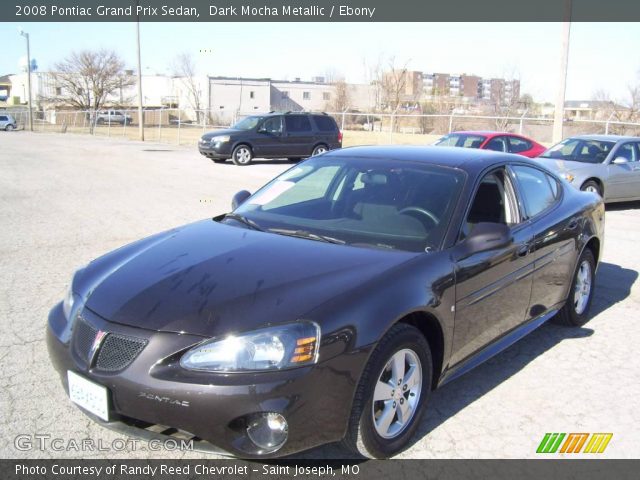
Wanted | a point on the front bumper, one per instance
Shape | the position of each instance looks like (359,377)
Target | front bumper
(155,390)
(215,150)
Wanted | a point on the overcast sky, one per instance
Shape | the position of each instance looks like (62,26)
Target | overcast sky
(602,56)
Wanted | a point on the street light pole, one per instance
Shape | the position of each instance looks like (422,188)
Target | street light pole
(140,100)
(26,36)
(558,116)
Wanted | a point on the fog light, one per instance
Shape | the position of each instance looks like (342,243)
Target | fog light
(268,430)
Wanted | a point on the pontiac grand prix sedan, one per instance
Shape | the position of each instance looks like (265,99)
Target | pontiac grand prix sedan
(608,165)
(330,303)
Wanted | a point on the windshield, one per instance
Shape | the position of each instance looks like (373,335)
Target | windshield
(461,140)
(358,201)
(247,123)
(580,150)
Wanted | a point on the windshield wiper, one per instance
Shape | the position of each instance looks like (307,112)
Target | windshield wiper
(244,220)
(307,235)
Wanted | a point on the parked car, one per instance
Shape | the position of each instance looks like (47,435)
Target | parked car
(113,116)
(7,122)
(497,141)
(292,135)
(329,304)
(608,165)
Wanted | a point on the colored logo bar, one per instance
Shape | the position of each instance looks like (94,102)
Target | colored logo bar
(574,443)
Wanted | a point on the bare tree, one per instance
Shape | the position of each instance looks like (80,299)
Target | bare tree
(626,109)
(184,69)
(341,97)
(394,84)
(87,78)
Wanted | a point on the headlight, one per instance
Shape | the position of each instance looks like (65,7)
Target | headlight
(567,176)
(71,302)
(273,348)
(220,139)
(67,303)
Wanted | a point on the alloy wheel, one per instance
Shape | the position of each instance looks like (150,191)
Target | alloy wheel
(397,393)
(243,155)
(582,289)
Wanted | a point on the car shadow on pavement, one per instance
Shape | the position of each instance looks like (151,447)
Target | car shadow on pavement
(613,285)
(621,206)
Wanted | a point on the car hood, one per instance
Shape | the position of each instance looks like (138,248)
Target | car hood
(212,279)
(564,165)
(216,133)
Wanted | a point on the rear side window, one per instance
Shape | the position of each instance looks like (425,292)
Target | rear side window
(539,191)
(325,123)
(497,144)
(517,145)
(3,118)
(297,123)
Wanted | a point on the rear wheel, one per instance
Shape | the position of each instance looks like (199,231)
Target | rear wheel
(575,312)
(391,395)
(320,149)
(591,186)
(242,155)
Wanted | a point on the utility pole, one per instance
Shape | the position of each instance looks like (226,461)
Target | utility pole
(558,116)
(140,101)
(26,36)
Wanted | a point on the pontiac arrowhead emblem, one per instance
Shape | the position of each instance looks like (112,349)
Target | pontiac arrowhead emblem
(96,345)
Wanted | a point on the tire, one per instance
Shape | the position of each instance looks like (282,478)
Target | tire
(242,155)
(591,186)
(319,149)
(8,128)
(363,436)
(575,311)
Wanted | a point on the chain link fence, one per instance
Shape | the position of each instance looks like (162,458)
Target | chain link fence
(175,126)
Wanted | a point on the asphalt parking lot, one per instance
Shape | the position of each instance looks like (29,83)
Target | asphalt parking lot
(66,199)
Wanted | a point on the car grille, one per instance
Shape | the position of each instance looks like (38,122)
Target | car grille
(115,353)
(118,351)
(83,336)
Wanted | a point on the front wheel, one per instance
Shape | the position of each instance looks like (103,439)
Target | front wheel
(575,312)
(592,187)
(242,155)
(8,128)
(392,394)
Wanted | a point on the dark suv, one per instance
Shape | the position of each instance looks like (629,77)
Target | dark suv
(292,135)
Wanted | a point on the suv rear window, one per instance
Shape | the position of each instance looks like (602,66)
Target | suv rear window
(325,123)
(297,123)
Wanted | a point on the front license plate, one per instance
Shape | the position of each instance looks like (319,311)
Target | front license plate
(88,395)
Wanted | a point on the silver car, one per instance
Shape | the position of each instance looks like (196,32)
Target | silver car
(608,165)
(7,122)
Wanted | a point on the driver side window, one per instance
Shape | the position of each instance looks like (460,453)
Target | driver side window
(494,202)
(273,125)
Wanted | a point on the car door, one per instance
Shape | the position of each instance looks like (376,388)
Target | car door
(268,138)
(497,144)
(298,136)
(492,287)
(555,237)
(623,172)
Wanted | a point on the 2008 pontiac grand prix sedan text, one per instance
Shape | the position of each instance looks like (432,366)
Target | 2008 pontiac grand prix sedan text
(328,305)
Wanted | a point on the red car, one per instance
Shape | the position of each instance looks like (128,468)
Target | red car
(498,141)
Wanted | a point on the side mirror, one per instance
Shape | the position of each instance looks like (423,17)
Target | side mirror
(486,236)
(620,161)
(239,198)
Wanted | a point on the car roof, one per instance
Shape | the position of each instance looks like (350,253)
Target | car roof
(468,159)
(606,138)
(271,114)
(486,133)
